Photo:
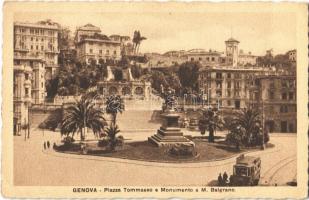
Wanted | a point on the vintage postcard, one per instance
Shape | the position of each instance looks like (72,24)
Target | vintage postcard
(155,100)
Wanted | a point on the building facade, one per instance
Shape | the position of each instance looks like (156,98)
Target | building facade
(227,86)
(205,57)
(92,46)
(246,59)
(275,95)
(37,41)
(21,97)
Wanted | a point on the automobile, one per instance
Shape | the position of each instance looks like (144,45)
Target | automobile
(246,171)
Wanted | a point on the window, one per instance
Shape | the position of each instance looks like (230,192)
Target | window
(26,76)
(91,51)
(107,52)
(27,92)
(207,58)
(228,75)
(229,93)
(42,48)
(271,95)
(237,75)
(192,59)
(291,95)
(283,96)
(37,47)
(283,83)
(37,39)
(218,75)
(229,103)
(229,85)
(100,51)
(212,58)
(218,84)
(42,40)
(284,109)
(272,84)
(31,47)
(42,84)
(115,52)
(199,58)
(31,38)
(237,85)
(31,31)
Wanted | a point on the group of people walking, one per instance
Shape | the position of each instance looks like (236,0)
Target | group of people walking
(223,179)
(46,145)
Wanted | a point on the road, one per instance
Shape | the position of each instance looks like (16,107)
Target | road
(33,166)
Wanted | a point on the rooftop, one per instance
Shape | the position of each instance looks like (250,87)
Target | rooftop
(89,27)
(232,40)
(51,25)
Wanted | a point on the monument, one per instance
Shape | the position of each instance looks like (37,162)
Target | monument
(170,132)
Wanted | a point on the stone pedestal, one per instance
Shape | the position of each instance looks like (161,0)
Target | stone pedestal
(169,133)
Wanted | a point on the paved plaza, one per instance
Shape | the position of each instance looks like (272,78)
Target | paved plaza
(34,166)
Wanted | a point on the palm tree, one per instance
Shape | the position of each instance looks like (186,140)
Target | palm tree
(137,39)
(82,115)
(111,132)
(114,105)
(249,119)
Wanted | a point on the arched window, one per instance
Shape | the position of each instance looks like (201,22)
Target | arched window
(113,90)
(126,91)
(139,91)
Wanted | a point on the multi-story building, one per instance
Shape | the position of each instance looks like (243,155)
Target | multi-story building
(39,42)
(93,46)
(22,96)
(36,46)
(275,95)
(86,30)
(227,86)
(246,58)
(126,44)
(210,57)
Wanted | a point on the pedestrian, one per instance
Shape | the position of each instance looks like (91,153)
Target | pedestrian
(220,180)
(44,146)
(48,144)
(231,180)
(225,178)
(54,146)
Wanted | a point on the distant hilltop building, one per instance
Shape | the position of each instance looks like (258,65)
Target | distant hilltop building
(205,57)
(232,57)
(246,58)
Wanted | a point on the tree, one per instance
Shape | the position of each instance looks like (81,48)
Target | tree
(82,115)
(137,39)
(111,132)
(210,121)
(235,136)
(249,119)
(114,105)
(188,74)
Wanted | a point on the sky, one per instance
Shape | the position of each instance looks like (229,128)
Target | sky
(165,31)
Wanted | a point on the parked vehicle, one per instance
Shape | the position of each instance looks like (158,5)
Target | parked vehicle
(246,171)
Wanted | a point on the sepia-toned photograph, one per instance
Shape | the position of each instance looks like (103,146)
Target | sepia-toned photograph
(155,100)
